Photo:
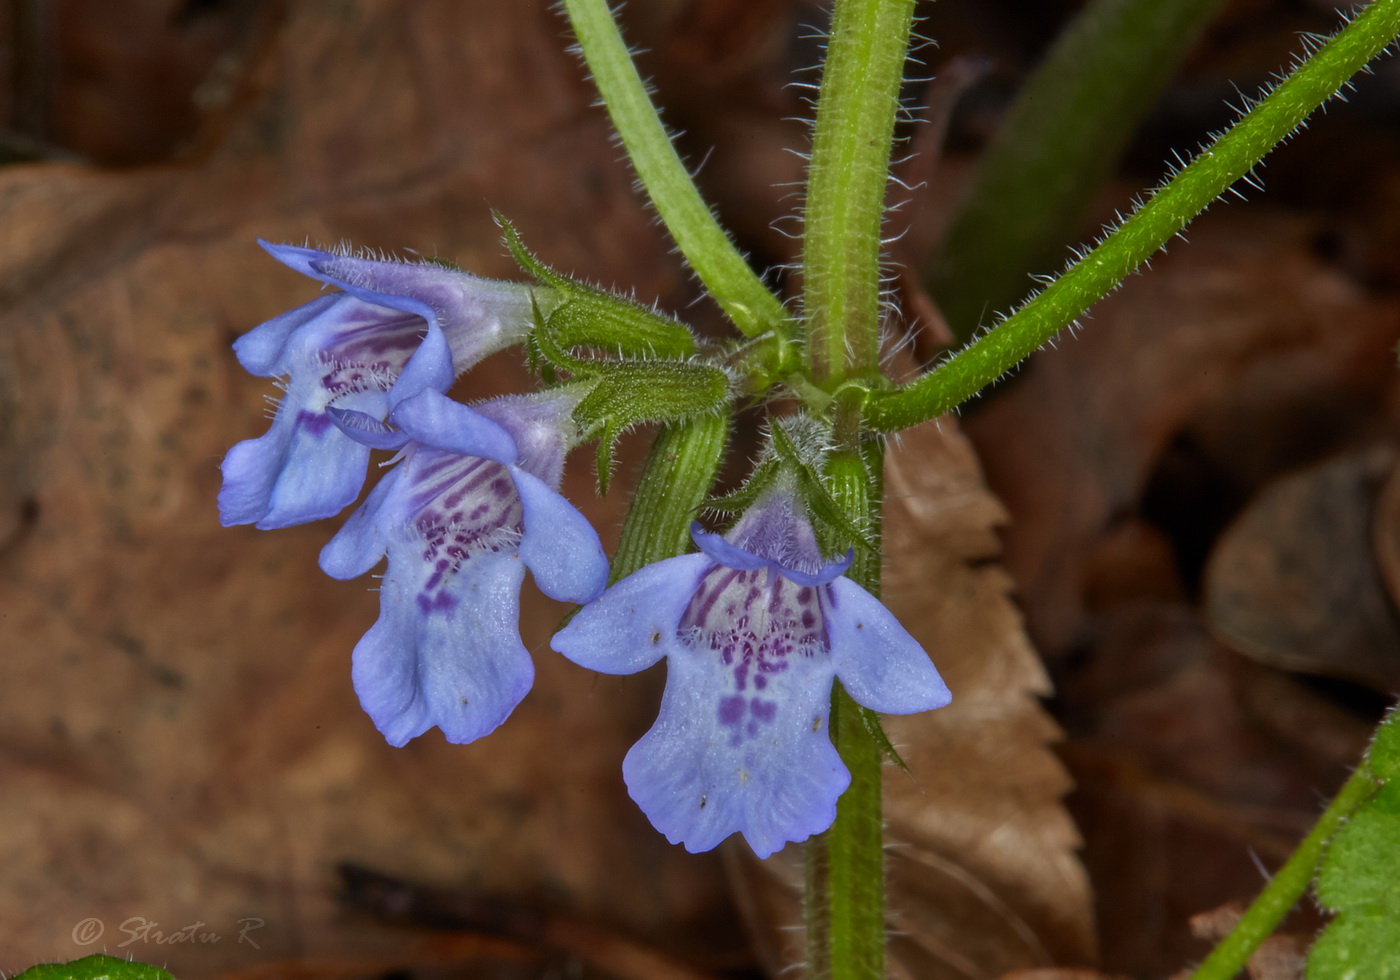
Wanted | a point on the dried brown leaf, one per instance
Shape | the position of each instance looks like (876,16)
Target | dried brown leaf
(1293,582)
(1244,352)
(179,741)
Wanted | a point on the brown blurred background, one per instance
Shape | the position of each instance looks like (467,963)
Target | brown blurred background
(1197,514)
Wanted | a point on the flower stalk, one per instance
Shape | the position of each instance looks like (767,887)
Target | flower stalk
(846,184)
(845,875)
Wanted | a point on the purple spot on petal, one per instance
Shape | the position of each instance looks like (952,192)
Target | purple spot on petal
(764,711)
(312,423)
(731,711)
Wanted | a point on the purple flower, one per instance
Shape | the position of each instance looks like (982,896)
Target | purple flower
(396,328)
(755,628)
(469,507)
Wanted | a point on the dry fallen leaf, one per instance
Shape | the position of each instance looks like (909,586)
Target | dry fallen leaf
(984,876)
(1294,582)
(1237,355)
(180,743)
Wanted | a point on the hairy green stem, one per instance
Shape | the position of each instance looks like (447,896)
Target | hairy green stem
(1287,886)
(1063,136)
(846,187)
(675,481)
(1166,212)
(724,271)
(846,864)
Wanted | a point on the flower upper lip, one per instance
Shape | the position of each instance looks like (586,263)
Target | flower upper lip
(727,553)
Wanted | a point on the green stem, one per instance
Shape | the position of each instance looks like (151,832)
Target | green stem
(724,271)
(846,186)
(1286,887)
(675,482)
(846,864)
(1215,169)
(1063,136)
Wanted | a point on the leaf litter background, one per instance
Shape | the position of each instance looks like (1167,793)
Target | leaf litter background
(1195,509)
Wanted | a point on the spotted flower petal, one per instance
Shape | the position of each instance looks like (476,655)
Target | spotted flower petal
(720,759)
(460,520)
(754,629)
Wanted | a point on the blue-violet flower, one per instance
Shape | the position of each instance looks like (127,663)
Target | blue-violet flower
(471,505)
(396,328)
(755,627)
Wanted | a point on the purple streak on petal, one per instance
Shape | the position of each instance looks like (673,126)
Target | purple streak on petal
(436,420)
(455,506)
(717,762)
(754,623)
(560,547)
(879,663)
(633,624)
(261,350)
(366,429)
(459,665)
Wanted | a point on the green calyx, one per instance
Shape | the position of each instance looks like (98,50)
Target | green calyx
(628,393)
(795,455)
(593,319)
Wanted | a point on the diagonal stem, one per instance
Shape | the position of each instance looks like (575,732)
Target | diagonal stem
(1225,161)
(714,257)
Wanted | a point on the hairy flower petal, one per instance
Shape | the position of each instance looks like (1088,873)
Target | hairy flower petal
(559,546)
(716,761)
(879,663)
(633,624)
(460,520)
(395,331)
(752,646)
(447,656)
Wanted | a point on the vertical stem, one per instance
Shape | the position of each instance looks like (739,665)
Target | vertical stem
(841,308)
(846,187)
(846,865)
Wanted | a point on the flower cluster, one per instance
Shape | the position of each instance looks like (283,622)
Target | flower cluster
(755,627)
